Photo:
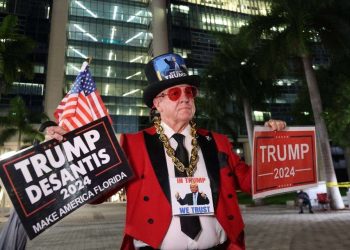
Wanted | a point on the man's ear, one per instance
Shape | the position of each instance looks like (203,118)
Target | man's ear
(156,104)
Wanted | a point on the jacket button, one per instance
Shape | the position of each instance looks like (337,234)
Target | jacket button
(230,196)
(142,176)
(230,173)
(146,198)
(150,221)
(230,217)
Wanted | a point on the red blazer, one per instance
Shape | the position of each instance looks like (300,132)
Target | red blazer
(148,213)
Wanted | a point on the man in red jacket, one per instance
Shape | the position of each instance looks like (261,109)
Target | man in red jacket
(174,151)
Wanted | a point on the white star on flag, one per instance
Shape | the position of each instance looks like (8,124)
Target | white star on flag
(82,104)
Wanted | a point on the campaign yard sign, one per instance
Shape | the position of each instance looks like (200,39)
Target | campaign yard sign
(283,160)
(49,181)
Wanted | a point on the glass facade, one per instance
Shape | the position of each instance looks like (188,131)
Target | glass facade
(250,7)
(207,18)
(192,25)
(115,34)
(33,22)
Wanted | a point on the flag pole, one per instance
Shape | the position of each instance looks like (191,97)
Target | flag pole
(85,63)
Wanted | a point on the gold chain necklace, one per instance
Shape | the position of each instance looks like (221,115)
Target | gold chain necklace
(191,169)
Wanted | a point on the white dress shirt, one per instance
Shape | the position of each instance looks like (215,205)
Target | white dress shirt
(212,233)
(195,198)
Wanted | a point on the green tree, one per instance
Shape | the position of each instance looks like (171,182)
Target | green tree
(334,79)
(213,117)
(17,123)
(233,78)
(14,54)
(294,26)
(337,110)
(338,120)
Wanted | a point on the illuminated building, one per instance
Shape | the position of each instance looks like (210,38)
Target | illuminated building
(115,34)
(34,22)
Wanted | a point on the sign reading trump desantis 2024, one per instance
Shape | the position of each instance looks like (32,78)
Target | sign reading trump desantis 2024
(49,181)
(283,160)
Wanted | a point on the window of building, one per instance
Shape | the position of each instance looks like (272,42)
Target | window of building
(39,69)
(115,34)
(183,52)
(260,116)
(252,7)
(27,88)
(180,8)
(48,11)
(3,5)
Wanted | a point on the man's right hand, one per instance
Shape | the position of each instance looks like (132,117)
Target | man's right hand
(54,132)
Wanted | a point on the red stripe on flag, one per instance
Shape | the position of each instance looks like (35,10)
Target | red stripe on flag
(76,109)
(95,104)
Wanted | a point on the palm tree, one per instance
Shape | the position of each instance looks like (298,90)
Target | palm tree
(338,121)
(294,26)
(337,113)
(14,51)
(233,79)
(17,123)
(211,115)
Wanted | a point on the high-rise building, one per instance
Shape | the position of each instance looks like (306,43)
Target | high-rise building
(193,23)
(121,36)
(191,33)
(115,35)
(34,22)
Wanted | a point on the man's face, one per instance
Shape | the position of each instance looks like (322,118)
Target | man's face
(179,111)
(194,188)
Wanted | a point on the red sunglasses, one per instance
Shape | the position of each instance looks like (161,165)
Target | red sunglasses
(175,93)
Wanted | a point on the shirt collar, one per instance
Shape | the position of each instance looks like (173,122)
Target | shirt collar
(169,132)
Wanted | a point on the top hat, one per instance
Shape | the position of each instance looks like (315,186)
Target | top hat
(165,71)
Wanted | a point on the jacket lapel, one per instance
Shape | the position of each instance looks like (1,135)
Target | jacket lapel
(210,155)
(156,154)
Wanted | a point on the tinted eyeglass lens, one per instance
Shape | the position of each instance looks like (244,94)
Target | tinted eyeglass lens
(191,92)
(175,93)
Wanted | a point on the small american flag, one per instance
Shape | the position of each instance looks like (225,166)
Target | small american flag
(82,104)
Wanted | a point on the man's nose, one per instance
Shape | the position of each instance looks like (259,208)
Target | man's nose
(183,97)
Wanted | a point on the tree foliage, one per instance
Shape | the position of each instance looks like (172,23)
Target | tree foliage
(15,50)
(232,81)
(337,106)
(17,122)
(293,27)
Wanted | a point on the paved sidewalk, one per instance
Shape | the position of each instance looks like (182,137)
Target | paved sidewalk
(282,228)
(267,228)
